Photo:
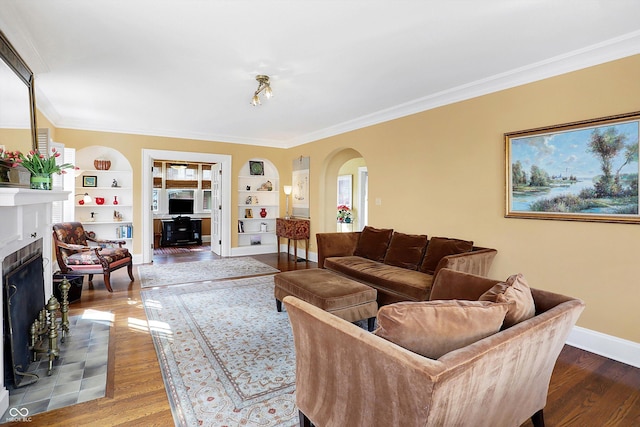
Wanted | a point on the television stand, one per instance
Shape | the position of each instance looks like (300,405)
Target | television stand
(181,231)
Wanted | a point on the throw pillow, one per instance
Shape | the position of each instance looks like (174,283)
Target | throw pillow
(406,250)
(439,247)
(434,328)
(515,292)
(373,243)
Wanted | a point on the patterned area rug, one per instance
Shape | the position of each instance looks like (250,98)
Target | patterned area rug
(226,354)
(200,271)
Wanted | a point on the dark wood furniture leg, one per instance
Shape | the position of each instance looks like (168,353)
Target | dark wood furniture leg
(371,323)
(278,305)
(304,421)
(537,419)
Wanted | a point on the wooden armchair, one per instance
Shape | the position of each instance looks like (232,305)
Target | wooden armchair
(74,254)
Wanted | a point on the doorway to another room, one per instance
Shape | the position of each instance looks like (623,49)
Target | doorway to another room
(214,221)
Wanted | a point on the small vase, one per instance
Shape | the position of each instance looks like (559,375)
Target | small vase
(41,181)
(115,200)
(263,213)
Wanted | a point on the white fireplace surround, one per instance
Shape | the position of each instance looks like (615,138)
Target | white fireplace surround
(26,217)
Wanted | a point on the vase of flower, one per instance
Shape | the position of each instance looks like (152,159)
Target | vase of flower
(40,166)
(41,181)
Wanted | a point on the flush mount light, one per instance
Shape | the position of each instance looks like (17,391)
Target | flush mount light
(178,166)
(263,85)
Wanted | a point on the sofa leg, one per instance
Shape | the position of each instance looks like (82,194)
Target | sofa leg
(278,305)
(304,421)
(538,419)
(371,323)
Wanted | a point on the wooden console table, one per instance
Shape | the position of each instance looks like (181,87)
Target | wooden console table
(294,229)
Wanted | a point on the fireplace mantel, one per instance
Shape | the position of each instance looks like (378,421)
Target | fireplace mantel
(25,196)
(26,216)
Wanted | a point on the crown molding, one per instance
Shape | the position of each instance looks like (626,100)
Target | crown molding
(600,53)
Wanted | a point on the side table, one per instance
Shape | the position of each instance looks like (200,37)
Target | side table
(294,229)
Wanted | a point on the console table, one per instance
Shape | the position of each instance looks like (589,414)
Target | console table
(294,229)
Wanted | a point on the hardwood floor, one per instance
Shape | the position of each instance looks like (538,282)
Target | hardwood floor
(585,390)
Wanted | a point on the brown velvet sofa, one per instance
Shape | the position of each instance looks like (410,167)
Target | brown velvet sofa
(401,267)
(346,376)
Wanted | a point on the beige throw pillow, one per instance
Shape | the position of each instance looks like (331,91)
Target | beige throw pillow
(515,292)
(434,328)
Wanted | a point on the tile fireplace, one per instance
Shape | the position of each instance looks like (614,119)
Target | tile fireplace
(26,222)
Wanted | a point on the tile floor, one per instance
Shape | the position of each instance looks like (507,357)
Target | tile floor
(79,374)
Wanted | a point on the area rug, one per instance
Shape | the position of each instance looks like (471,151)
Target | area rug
(226,354)
(152,275)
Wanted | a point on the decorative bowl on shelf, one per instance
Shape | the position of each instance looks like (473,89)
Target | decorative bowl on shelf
(102,165)
(99,200)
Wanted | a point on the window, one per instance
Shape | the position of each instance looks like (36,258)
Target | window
(172,179)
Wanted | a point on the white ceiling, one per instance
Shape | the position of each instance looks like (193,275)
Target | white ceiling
(186,68)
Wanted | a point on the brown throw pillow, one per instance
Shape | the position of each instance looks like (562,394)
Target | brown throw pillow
(440,247)
(373,243)
(517,294)
(434,328)
(406,250)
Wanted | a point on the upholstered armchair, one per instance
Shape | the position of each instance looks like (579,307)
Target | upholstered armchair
(346,376)
(79,253)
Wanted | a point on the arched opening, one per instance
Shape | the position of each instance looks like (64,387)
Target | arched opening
(344,181)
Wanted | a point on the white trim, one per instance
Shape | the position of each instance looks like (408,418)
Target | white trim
(148,157)
(615,348)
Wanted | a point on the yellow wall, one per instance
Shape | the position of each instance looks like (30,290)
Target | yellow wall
(441,172)
(131,147)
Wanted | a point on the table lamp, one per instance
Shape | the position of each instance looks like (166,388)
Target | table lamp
(287,191)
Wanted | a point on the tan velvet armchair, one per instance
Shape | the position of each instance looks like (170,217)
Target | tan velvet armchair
(346,376)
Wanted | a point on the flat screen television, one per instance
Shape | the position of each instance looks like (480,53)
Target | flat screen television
(180,206)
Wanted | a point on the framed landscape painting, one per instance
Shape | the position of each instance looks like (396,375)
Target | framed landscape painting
(582,171)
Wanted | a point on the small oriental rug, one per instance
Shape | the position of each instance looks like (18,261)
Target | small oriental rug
(227,356)
(152,275)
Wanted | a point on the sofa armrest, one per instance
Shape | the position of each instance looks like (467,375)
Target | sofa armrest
(452,284)
(336,244)
(478,261)
(342,372)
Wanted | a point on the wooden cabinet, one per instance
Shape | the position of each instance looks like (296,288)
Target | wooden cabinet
(181,231)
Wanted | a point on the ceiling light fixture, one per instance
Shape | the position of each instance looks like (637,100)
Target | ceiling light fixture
(178,166)
(263,85)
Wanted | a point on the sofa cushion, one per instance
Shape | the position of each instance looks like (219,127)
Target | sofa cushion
(406,250)
(517,294)
(400,281)
(439,247)
(373,243)
(434,328)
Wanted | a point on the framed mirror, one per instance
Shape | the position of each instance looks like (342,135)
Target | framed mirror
(18,130)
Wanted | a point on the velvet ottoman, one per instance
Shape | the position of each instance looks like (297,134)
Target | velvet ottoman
(338,295)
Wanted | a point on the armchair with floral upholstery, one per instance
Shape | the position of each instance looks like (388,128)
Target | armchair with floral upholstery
(76,253)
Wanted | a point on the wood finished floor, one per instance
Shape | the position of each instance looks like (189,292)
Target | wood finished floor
(585,390)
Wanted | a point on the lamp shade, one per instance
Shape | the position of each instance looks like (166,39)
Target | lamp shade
(287,189)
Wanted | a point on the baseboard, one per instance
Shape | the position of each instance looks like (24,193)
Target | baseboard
(615,348)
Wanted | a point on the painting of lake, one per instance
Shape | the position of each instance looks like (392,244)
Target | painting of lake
(583,172)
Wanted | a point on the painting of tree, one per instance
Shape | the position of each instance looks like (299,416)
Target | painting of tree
(578,171)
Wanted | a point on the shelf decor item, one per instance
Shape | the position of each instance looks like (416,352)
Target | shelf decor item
(256,167)
(263,213)
(89,181)
(102,165)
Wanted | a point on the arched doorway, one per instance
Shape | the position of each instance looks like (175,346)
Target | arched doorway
(345,165)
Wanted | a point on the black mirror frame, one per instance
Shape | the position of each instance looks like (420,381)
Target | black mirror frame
(22,70)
